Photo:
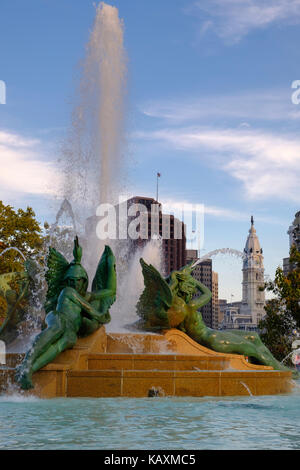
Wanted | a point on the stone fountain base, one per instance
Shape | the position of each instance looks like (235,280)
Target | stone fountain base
(142,365)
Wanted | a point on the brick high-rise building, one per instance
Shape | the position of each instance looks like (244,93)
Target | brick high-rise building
(222,309)
(154,224)
(204,274)
(215,300)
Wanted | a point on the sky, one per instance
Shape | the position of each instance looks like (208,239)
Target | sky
(208,105)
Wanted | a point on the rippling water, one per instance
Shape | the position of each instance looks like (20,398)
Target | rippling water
(266,422)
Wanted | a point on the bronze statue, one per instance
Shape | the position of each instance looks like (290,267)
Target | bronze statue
(170,303)
(16,300)
(71,310)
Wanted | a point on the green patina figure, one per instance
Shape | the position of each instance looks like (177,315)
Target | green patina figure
(16,300)
(72,312)
(170,303)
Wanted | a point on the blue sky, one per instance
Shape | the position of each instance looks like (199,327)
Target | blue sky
(208,105)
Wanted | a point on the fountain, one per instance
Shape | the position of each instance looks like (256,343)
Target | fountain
(75,356)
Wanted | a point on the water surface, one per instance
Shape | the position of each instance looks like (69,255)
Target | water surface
(265,422)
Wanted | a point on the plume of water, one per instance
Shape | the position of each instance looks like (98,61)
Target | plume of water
(12,248)
(123,312)
(247,388)
(92,154)
(223,251)
(286,357)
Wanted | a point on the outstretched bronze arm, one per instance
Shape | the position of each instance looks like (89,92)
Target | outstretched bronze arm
(86,306)
(91,311)
(102,294)
(199,302)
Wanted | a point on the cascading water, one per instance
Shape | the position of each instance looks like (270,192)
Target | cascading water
(30,323)
(123,312)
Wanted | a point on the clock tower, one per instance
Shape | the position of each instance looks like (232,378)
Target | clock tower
(253,300)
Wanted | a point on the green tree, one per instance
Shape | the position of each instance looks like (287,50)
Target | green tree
(287,288)
(19,229)
(3,308)
(282,312)
(276,328)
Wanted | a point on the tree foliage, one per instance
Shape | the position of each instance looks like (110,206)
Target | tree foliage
(3,309)
(287,288)
(282,312)
(276,328)
(19,229)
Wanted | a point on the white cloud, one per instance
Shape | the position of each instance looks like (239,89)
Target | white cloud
(177,207)
(231,20)
(269,105)
(15,140)
(268,165)
(22,168)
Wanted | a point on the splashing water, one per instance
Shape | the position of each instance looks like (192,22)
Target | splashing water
(123,312)
(15,396)
(247,388)
(92,154)
(286,357)
(12,248)
(223,251)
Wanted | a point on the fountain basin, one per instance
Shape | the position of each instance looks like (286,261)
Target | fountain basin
(142,365)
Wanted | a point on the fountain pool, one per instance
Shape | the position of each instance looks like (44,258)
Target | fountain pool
(261,422)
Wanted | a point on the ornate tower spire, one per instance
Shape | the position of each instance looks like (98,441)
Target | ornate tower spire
(253,277)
